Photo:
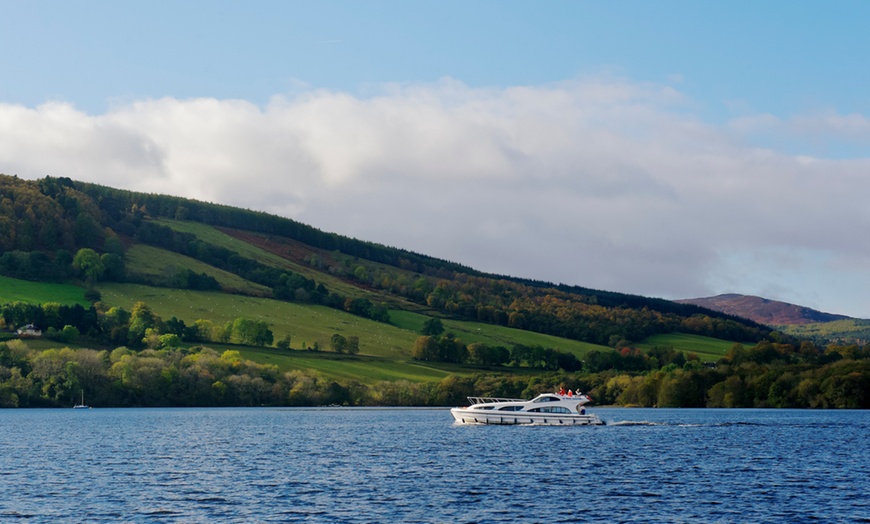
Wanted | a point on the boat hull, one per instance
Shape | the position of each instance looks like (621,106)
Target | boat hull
(481,417)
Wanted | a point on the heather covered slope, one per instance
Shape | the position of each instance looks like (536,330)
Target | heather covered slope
(762,310)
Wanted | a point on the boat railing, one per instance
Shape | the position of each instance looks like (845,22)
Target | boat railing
(492,400)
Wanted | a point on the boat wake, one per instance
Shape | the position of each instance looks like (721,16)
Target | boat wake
(636,423)
(682,424)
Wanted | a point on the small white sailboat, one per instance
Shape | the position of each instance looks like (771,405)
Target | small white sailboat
(82,405)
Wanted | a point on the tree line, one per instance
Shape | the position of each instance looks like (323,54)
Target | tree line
(767,374)
(150,359)
(839,382)
(447,348)
(554,310)
(200,376)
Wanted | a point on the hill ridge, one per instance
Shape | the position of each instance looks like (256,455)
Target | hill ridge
(49,219)
(763,310)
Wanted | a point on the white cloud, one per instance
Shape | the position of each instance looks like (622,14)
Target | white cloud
(597,182)
(825,125)
(823,133)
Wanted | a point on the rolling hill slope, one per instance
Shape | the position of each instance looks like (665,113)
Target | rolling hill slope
(171,301)
(167,241)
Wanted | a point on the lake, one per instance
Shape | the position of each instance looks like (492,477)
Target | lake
(414,465)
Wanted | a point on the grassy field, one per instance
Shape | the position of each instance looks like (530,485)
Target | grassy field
(361,368)
(211,235)
(153,261)
(385,349)
(708,349)
(307,324)
(471,332)
(15,290)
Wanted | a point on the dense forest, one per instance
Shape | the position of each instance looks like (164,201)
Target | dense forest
(59,230)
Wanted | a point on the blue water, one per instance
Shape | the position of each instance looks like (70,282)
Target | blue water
(415,465)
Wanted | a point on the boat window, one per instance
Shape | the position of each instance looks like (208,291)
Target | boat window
(483,407)
(547,399)
(551,409)
(511,408)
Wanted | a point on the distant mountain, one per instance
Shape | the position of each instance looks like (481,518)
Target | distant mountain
(762,310)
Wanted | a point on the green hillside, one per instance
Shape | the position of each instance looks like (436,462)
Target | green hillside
(55,219)
(849,331)
(308,324)
(172,301)
(17,290)
(153,264)
(292,260)
(707,349)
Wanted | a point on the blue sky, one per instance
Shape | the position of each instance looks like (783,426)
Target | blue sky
(672,149)
(776,57)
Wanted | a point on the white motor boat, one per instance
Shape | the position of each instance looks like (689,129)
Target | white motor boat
(549,409)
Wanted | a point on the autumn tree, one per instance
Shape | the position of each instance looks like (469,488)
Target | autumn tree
(425,348)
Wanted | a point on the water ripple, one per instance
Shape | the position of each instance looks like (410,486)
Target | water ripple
(370,465)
